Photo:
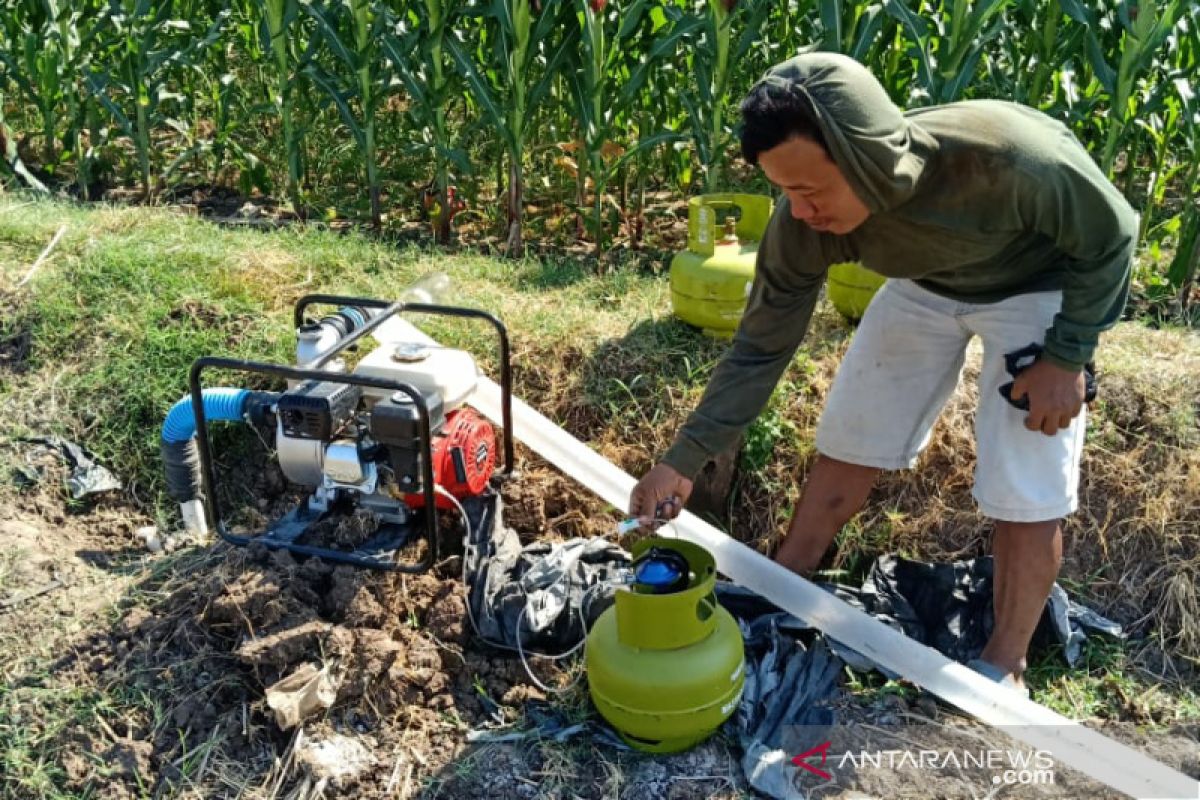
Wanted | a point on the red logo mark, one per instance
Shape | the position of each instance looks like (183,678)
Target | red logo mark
(800,761)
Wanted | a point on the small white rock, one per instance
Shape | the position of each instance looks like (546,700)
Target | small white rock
(337,758)
(149,537)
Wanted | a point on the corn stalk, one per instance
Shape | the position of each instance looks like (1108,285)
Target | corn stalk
(947,41)
(711,59)
(34,63)
(11,159)
(512,50)
(416,46)
(1036,44)
(351,32)
(145,45)
(279,31)
(1181,274)
(47,54)
(853,28)
(609,38)
(1142,34)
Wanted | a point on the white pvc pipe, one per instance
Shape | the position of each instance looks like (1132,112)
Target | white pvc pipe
(1115,764)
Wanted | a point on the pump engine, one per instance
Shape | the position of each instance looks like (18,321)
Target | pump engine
(337,436)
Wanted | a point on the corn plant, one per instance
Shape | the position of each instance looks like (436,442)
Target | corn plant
(1143,29)
(601,84)
(48,53)
(212,141)
(357,75)
(1185,266)
(34,62)
(853,28)
(11,159)
(711,61)
(1037,46)
(514,63)
(608,38)
(947,39)
(1040,65)
(789,29)
(1160,121)
(1182,271)
(143,47)
(280,37)
(416,47)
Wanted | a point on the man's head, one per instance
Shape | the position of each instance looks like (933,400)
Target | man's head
(780,134)
(824,129)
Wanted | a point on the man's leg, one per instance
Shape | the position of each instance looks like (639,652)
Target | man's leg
(902,365)
(1027,557)
(834,492)
(1025,480)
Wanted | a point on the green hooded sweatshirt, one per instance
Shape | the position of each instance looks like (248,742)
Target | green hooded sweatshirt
(977,201)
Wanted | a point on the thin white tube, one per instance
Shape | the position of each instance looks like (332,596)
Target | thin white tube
(1106,760)
(194,520)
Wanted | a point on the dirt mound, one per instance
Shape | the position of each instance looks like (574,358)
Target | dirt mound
(545,503)
(48,536)
(230,623)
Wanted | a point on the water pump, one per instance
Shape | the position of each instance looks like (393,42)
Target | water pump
(392,438)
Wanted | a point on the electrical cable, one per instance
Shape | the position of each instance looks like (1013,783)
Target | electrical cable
(581,645)
(519,649)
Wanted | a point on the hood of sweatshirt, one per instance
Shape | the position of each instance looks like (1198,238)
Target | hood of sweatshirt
(881,153)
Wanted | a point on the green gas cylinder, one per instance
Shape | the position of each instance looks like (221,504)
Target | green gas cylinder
(850,287)
(711,279)
(665,663)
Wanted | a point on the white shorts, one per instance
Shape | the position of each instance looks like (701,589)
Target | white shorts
(903,365)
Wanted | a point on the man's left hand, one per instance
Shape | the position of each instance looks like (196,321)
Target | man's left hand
(1055,395)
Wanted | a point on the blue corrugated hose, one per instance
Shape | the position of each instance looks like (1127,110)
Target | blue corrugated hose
(220,403)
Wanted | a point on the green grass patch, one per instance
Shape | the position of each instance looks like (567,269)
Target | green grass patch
(1106,683)
(35,721)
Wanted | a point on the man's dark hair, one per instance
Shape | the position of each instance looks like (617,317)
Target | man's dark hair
(771,114)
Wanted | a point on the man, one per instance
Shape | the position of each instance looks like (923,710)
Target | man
(990,220)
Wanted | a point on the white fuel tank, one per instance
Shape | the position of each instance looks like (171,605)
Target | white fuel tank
(426,367)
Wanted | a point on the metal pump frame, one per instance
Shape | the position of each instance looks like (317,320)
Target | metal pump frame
(282,535)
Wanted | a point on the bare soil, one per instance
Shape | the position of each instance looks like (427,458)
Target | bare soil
(199,636)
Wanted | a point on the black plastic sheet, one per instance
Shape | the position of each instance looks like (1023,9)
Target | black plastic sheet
(949,608)
(543,593)
(87,477)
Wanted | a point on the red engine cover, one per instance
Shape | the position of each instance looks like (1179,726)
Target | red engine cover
(464,457)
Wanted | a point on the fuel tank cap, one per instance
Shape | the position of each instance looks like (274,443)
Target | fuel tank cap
(410,352)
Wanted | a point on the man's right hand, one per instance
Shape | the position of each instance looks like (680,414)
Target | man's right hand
(659,495)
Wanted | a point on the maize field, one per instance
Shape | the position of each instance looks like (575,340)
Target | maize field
(521,110)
